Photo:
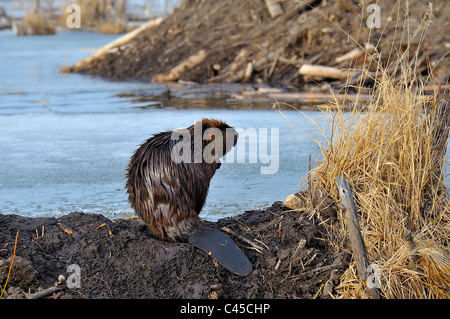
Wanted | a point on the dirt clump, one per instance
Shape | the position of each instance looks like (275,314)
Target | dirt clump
(119,258)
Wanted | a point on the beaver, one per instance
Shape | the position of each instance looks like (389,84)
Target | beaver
(168,176)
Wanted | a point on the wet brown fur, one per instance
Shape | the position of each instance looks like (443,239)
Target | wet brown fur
(168,196)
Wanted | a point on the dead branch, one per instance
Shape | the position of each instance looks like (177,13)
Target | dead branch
(116,43)
(411,245)
(274,8)
(323,72)
(296,62)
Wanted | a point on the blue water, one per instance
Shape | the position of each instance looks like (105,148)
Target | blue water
(65,139)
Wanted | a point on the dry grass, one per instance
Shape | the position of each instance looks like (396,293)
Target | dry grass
(108,17)
(392,152)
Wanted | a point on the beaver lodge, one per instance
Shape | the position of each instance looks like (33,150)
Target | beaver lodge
(387,153)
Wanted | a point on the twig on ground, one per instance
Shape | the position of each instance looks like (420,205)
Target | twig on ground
(10,267)
(357,243)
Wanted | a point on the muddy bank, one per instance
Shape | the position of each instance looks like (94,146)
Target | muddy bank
(119,259)
(241,41)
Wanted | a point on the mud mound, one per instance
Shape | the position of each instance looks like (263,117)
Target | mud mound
(239,41)
(119,259)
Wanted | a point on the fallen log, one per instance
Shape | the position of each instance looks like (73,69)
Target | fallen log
(118,42)
(176,72)
(323,72)
(274,8)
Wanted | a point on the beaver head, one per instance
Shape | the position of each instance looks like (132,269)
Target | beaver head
(168,191)
(211,139)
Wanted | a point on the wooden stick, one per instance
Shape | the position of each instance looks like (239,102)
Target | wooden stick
(12,263)
(248,71)
(356,240)
(274,8)
(323,72)
(67,229)
(411,245)
(348,56)
(296,62)
(44,293)
(118,42)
